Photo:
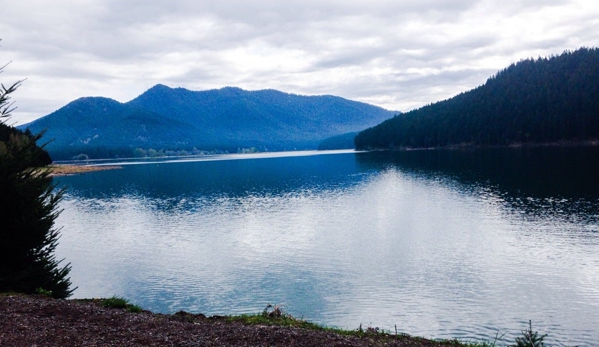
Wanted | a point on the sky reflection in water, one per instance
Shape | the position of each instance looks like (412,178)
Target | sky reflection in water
(439,243)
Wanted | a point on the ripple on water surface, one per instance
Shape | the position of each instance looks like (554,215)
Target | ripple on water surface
(341,240)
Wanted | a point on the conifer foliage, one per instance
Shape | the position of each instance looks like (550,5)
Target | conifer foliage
(28,209)
(530,338)
(547,100)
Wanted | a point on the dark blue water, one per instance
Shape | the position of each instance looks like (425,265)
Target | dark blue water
(441,244)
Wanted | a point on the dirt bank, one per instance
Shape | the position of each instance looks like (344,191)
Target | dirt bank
(41,321)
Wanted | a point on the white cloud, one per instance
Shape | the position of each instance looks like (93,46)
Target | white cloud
(398,55)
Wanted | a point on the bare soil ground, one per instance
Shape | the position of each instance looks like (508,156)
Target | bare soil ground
(41,321)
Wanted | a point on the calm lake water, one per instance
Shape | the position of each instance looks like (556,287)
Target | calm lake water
(441,244)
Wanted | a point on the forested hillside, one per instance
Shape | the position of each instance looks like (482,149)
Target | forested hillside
(343,141)
(541,100)
(167,120)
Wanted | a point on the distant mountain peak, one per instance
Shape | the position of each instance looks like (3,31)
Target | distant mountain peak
(225,119)
(92,101)
(158,88)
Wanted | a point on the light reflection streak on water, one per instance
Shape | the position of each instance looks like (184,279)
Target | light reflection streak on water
(429,254)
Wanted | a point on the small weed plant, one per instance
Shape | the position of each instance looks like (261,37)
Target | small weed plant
(529,338)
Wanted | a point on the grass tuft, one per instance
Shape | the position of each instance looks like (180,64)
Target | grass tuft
(43,292)
(118,302)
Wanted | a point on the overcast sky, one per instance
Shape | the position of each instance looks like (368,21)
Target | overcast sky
(399,54)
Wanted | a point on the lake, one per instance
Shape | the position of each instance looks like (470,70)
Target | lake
(442,244)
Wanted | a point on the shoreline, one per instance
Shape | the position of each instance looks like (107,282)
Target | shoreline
(30,320)
(74,169)
(470,146)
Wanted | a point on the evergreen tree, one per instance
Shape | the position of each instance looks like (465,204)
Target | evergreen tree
(547,100)
(28,209)
(529,338)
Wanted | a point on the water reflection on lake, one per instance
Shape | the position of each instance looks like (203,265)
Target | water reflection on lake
(439,243)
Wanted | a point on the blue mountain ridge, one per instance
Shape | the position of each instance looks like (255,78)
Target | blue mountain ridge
(177,119)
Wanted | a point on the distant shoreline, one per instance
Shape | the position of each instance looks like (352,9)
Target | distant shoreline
(468,146)
(65,168)
(120,162)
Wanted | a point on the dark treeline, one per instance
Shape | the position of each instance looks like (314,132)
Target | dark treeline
(545,100)
(39,157)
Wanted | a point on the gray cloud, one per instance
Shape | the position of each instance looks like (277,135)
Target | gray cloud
(396,54)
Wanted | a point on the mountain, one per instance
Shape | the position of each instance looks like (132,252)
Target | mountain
(538,101)
(177,119)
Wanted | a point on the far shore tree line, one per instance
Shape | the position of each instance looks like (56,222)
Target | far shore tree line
(153,153)
(160,153)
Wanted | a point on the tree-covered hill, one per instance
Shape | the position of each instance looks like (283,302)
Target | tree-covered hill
(534,101)
(101,128)
(178,119)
